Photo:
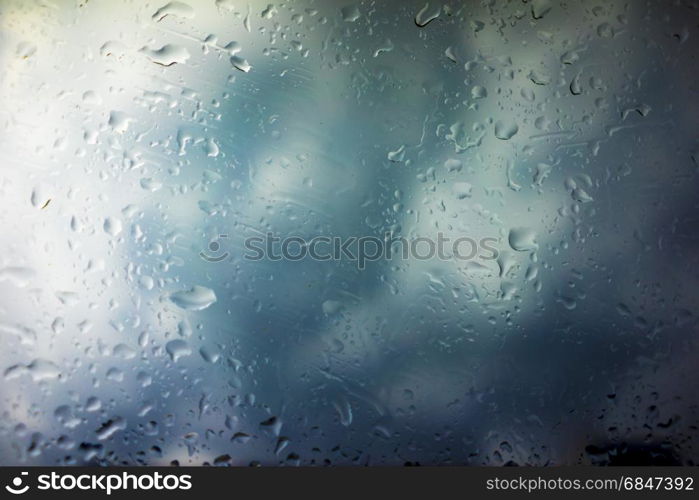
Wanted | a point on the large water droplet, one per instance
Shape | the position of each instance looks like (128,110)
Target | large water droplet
(522,239)
(331,307)
(350,13)
(177,9)
(194,299)
(478,92)
(112,226)
(540,8)
(427,14)
(505,130)
(119,121)
(167,55)
(177,349)
(241,64)
(38,370)
(462,190)
(397,155)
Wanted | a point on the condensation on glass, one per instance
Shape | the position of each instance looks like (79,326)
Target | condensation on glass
(133,135)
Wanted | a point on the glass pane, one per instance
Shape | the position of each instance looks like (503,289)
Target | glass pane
(199,201)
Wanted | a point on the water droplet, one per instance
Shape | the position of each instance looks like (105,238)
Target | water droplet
(453,165)
(114,374)
(505,130)
(177,349)
(387,46)
(427,15)
(184,329)
(113,49)
(268,12)
(527,94)
(68,298)
(233,48)
(580,195)
(211,148)
(462,190)
(246,21)
(539,78)
(194,299)
(91,98)
(57,325)
(111,427)
(119,121)
(451,55)
(210,355)
(350,13)
(570,57)
(522,239)
(241,437)
(575,87)
(241,64)
(540,8)
(38,370)
(150,184)
(41,196)
(542,172)
(167,55)
(25,50)
(331,307)
(177,9)
(124,352)
(226,5)
(112,226)
(223,460)
(478,92)
(505,262)
(344,411)
(397,155)
(93,404)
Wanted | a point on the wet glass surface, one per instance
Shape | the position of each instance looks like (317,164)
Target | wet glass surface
(143,145)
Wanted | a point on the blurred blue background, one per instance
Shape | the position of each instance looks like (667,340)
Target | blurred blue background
(132,134)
